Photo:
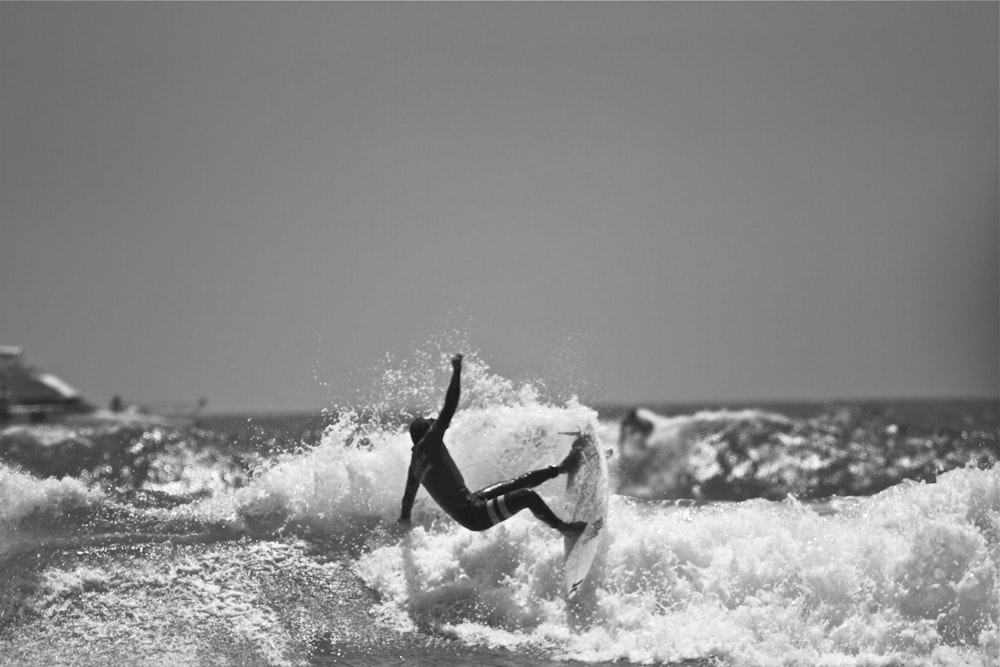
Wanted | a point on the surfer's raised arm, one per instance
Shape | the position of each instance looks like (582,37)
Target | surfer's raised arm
(434,429)
(451,397)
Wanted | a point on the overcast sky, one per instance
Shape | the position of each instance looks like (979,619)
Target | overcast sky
(251,202)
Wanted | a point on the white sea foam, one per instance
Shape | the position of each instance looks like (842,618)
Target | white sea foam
(169,609)
(22,495)
(906,577)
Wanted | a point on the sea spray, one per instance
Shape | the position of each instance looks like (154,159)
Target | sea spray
(331,483)
(357,470)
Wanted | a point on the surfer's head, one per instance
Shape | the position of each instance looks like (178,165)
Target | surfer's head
(419,428)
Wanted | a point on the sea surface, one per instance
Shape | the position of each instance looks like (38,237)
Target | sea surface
(848,533)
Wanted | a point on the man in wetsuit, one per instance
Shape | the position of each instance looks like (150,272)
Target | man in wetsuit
(432,466)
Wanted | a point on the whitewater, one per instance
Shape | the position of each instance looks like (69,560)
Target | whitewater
(258,541)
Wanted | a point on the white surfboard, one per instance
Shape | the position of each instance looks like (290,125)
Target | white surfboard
(586,500)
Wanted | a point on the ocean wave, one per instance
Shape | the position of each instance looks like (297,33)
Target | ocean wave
(128,457)
(904,577)
(23,495)
(228,533)
(736,455)
(907,576)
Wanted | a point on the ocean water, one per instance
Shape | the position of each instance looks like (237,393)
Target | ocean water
(848,534)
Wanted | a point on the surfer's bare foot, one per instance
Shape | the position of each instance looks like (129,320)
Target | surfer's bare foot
(574,529)
(572,460)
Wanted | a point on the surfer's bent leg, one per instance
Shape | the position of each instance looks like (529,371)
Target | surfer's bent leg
(525,481)
(507,505)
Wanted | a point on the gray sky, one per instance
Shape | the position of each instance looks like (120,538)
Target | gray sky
(251,202)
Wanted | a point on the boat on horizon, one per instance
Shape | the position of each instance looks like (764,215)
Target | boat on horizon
(31,395)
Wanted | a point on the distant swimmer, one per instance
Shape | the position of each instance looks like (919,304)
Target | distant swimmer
(432,466)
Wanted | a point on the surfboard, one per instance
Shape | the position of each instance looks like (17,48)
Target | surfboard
(586,500)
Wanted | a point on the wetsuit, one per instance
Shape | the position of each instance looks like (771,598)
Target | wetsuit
(432,466)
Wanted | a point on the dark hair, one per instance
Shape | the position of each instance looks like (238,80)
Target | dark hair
(419,428)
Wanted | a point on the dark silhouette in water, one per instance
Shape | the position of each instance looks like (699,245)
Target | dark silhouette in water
(432,466)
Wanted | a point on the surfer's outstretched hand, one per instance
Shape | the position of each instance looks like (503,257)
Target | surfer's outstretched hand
(456,361)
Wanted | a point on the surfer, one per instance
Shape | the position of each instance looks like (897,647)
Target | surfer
(432,466)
